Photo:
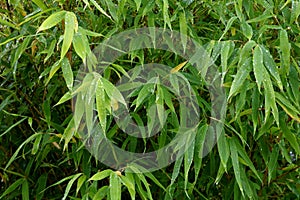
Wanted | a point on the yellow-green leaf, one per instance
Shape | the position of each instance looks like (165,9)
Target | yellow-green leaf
(70,27)
(101,175)
(52,20)
(114,186)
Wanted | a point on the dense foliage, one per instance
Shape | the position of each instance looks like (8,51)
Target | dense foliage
(254,44)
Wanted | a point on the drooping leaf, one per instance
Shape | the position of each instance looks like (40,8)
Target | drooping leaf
(67,73)
(258,66)
(114,186)
(285,48)
(236,164)
(71,25)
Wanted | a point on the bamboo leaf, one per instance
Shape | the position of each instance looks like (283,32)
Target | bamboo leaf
(101,175)
(114,186)
(52,20)
(236,164)
(67,73)
(4,22)
(100,104)
(68,188)
(258,66)
(100,8)
(183,30)
(71,25)
(247,30)
(25,190)
(272,163)
(228,26)
(287,133)
(269,97)
(240,77)
(223,149)
(13,157)
(285,48)
(40,4)
(13,187)
(129,183)
(178,67)
(271,66)
(80,44)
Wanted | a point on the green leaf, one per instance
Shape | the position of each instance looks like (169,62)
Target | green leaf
(52,20)
(67,73)
(6,23)
(114,186)
(223,149)
(13,157)
(71,25)
(236,164)
(100,8)
(53,70)
(188,159)
(166,14)
(285,48)
(36,144)
(50,50)
(227,46)
(81,44)
(245,52)
(258,66)
(41,184)
(80,182)
(259,18)
(271,66)
(47,111)
(13,187)
(144,93)
(40,4)
(68,133)
(287,133)
(295,11)
(25,190)
(183,29)
(160,105)
(228,26)
(247,30)
(112,92)
(100,104)
(287,106)
(241,151)
(129,183)
(19,52)
(101,193)
(240,77)
(67,96)
(269,97)
(101,175)
(138,4)
(272,162)
(14,125)
(255,107)
(68,188)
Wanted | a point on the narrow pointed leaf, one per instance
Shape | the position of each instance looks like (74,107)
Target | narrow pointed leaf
(70,27)
(52,20)
(258,66)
